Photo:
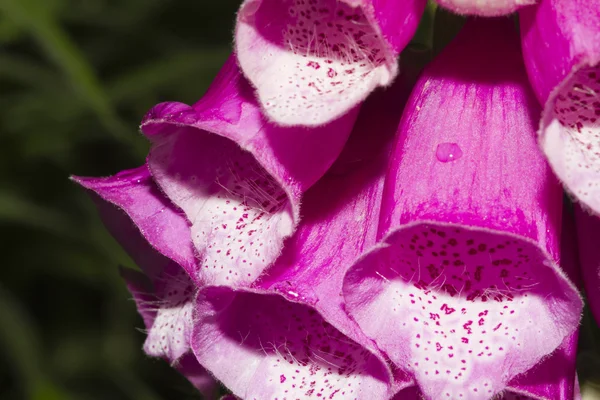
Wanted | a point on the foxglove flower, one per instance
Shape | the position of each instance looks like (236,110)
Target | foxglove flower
(464,283)
(485,7)
(159,289)
(554,377)
(219,194)
(561,46)
(313,60)
(237,178)
(288,332)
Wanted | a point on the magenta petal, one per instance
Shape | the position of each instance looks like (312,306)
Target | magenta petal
(289,329)
(313,60)
(463,291)
(158,221)
(561,46)
(485,7)
(237,178)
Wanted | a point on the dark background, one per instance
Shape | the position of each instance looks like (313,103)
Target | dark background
(76,77)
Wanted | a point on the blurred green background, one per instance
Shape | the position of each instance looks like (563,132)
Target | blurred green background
(76,77)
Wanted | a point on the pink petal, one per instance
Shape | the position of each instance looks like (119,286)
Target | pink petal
(485,7)
(561,45)
(237,178)
(463,291)
(288,333)
(152,214)
(313,60)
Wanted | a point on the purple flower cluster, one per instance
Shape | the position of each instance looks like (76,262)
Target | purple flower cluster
(302,235)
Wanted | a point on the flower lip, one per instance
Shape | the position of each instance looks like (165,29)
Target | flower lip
(465,298)
(313,60)
(569,133)
(281,348)
(239,212)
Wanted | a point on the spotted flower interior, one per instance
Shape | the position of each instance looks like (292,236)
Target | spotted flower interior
(311,60)
(571,129)
(282,350)
(468,301)
(239,214)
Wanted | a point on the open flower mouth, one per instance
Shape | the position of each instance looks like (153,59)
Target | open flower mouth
(467,300)
(239,214)
(285,350)
(572,134)
(325,56)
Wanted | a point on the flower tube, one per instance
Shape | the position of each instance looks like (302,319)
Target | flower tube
(237,179)
(554,377)
(463,291)
(313,60)
(288,333)
(561,47)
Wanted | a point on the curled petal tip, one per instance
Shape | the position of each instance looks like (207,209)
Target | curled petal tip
(467,280)
(312,61)
(288,331)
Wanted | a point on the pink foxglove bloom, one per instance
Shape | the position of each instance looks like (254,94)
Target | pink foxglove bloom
(463,292)
(561,46)
(288,333)
(554,377)
(237,179)
(485,7)
(220,193)
(313,60)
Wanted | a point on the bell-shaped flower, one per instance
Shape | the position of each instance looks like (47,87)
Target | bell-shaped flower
(464,291)
(237,178)
(488,8)
(561,48)
(313,60)
(163,290)
(288,333)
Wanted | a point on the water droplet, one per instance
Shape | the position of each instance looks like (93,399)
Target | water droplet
(448,152)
